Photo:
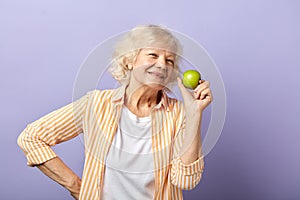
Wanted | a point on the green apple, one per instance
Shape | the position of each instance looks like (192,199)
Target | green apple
(191,79)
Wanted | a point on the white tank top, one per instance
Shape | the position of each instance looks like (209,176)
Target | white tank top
(129,165)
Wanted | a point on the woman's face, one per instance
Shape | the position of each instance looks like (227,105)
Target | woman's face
(153,67)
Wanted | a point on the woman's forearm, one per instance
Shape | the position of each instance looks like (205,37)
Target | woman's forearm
(58,171)
(192,148)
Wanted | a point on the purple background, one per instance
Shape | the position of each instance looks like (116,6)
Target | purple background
(255,44)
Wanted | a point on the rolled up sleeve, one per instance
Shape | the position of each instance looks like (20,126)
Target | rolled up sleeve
(56,127)
(184,176)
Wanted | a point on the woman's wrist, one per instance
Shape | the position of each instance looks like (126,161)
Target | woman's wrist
(74,184)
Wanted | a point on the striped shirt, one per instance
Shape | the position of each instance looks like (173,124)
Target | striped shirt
(97,114)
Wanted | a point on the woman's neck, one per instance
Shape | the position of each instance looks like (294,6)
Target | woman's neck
(142,99)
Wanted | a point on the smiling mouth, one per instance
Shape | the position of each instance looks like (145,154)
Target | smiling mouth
(157,74)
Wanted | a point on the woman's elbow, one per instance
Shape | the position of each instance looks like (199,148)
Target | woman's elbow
(185,182)
(21,141)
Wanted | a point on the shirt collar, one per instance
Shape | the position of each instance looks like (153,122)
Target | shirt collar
(119,94)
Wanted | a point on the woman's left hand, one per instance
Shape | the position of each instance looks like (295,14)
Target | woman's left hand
(197,100)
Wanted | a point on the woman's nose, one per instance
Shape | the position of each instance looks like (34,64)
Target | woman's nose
(161,61)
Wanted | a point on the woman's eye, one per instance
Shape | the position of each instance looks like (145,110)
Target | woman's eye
(153,54)
(170,61)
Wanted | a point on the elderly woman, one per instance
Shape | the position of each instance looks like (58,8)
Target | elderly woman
(139,143)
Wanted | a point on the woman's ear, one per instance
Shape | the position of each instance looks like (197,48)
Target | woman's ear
(129,65)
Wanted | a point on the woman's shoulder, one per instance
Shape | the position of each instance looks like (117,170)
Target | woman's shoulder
(174,103)
(101,94)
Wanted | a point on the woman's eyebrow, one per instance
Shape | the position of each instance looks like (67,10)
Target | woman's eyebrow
(170,55)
